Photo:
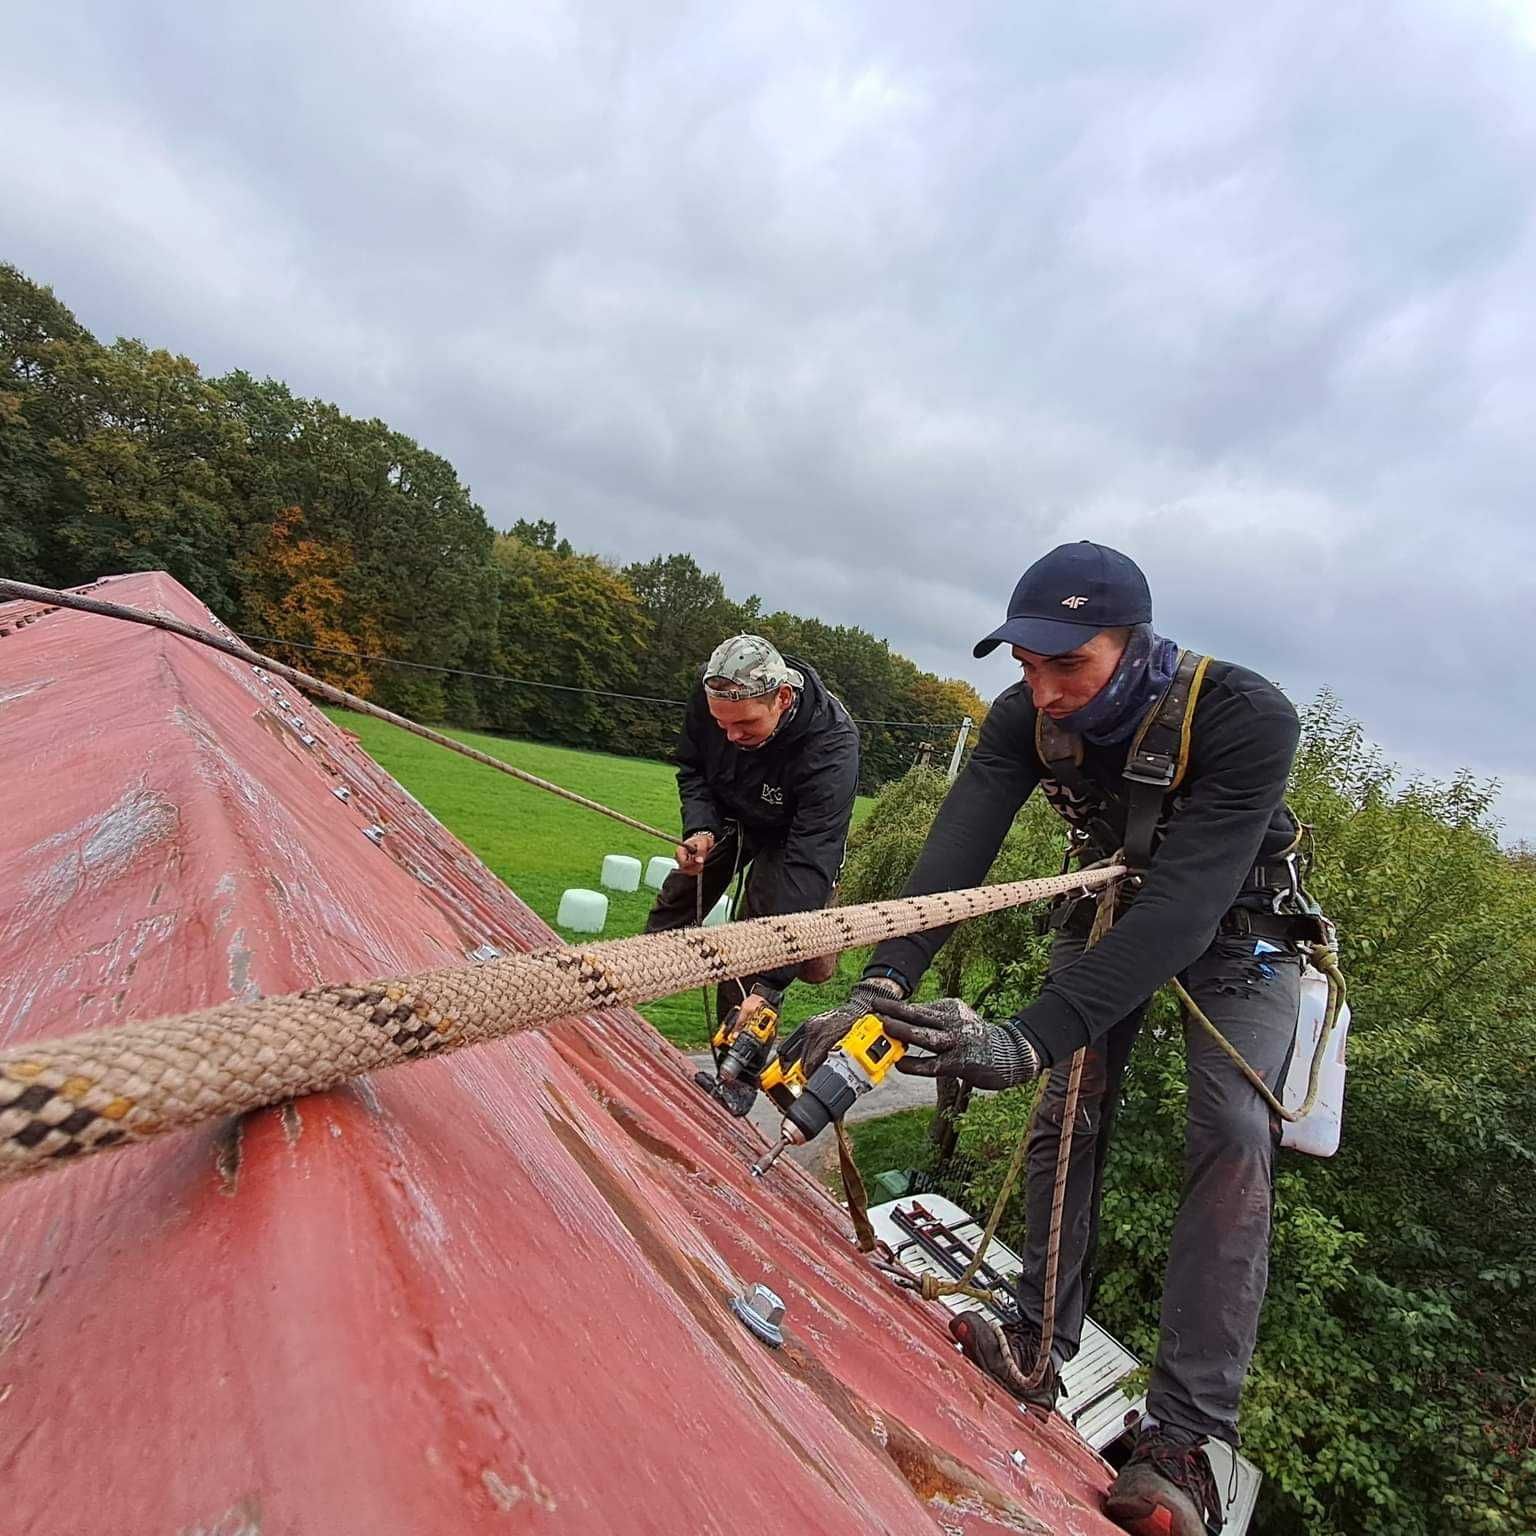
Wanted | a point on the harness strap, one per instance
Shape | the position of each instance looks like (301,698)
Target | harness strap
(1061,754)
(1284,927)
(1159,757)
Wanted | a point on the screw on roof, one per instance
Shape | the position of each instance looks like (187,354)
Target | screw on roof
(762,1311)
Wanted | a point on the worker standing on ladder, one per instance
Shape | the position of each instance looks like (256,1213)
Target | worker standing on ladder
(1182,763)
(768,767)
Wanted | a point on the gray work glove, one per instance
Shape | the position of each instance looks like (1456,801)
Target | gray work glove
(821,1032)
(962,1043)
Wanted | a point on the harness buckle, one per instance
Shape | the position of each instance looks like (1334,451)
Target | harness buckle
(1154,768)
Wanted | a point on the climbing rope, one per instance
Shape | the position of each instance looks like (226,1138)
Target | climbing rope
(933,1288)
(706,1001)
(313,685)
(65,1098)
(1325,960)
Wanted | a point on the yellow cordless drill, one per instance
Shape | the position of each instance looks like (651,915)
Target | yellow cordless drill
(856,1064)
(746,1047)
(742,1051)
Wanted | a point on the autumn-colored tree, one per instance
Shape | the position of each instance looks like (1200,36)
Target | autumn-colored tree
(296,589)
(419,583)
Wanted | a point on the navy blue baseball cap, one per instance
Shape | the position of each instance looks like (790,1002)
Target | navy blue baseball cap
(1066,597)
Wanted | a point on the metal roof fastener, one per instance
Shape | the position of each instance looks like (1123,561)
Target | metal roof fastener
(762,1311)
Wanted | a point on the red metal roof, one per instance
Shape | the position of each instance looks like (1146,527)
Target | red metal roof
(482,1293)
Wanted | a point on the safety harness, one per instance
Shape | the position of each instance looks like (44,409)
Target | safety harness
(1155,768)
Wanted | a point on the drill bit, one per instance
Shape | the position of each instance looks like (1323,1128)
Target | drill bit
(763,1164)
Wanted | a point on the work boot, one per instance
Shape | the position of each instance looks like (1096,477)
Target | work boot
(1166,1489)
(1007,1353)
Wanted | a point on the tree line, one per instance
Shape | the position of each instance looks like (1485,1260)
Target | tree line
(344,541)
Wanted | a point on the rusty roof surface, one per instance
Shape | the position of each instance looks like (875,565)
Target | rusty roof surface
(482,1293)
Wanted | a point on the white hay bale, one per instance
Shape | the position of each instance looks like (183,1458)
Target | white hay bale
(621,873)
(585,911)
(658,869)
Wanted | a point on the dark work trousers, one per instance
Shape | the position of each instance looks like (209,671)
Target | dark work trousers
(1218,1260)
(677,903)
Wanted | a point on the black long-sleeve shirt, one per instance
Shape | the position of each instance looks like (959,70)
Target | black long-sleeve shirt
(796,791)
(1228,814)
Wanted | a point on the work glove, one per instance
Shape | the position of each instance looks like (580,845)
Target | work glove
(816,1038)
(962,1044)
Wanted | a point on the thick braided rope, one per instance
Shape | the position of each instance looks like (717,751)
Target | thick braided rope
(313,685)
(63,1098)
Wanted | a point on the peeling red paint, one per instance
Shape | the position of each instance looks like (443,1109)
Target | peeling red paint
(490,1295)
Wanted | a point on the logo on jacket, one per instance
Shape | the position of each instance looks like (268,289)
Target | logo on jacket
(1073,602)
(773,794)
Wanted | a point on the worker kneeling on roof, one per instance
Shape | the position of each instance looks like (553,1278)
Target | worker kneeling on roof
(1182,763)
(768,769)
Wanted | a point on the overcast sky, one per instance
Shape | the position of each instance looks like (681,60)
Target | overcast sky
(866,306)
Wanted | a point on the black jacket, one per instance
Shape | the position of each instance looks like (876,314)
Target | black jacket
(796,791)
(1228,815)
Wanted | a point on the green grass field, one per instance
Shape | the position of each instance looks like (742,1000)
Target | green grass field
(541,845)
(898,1140)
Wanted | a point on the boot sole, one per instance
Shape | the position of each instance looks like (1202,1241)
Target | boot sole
(1158,1523)
(980,1346)
(1143,1519)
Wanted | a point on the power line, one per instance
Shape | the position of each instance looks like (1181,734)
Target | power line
(528,682)
(492,677)
(910,725)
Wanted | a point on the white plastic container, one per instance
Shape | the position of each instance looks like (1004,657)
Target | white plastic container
(658,869)
(1318,1134)
(719,913)
(621,873)
(585,911)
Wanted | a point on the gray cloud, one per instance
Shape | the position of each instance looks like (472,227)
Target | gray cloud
(916,291)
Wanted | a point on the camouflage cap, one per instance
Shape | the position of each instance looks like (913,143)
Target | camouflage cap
(747,667)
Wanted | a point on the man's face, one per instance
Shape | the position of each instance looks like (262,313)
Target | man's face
(749,723)
(1061,685)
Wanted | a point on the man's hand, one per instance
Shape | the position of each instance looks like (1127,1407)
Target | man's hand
(824,1030)
(962,1043)
(747,1008)
(692,852)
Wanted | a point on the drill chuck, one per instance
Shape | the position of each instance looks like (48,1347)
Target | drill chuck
(833,1090)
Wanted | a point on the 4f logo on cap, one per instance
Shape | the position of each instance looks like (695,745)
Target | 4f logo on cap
(1073,602)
